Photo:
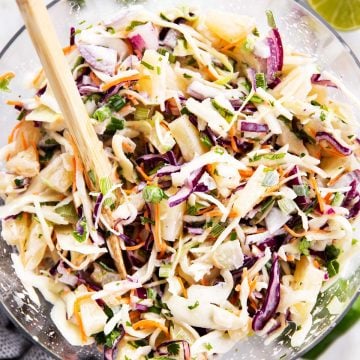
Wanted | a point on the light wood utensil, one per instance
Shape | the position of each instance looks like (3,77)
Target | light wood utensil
(46,43)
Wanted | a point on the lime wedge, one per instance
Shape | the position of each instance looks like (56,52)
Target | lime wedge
(341,14)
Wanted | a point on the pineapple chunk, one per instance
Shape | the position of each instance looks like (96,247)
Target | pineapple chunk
(187,137)
(228,26)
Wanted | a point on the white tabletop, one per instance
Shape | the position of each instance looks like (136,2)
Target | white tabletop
(346,347)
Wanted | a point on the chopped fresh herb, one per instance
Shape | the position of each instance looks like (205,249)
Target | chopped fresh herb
(260,80)
(185,111)
(301,190)
(153,194)
(270,19)
(22,114)
(208,346)
(147,65)
(233,236)
(81,236)
(187,76)
(194,306)
(332,252)
(227,114)
(354,241)
(151,294)
(141,113)
(68,212)
(256,32)
(92,177)
(164,270)
(128,323)
(277,156)
(315,103)
(205,140)
(172,57)
(154,309)
(173,348)
(338,199)
(216,230)
(102,113)
(302,155)
(134,24)
(144,220)
(19,182)
(116,102)
(110,30)
(5,81)
(271,178)
(304,245)
(193,209)
(164,17)
(105,267)
(333,268)
(114,125)
(158,70)
(219,150)
(322,116)
(350,136)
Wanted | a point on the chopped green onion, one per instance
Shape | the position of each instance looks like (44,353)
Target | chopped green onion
(277,156)
(233,236)
(22,114)
(227,114)
(338,199)
(219,150)
(287,206)
(102,113)
(304,245)
(187,76)
(260,81)
(81,237)
(208,346)
(322,116)
(153,194)
(154,309)
(333,268)
(185,111)
(144,220)
(271,178)
(164,270)
(205,140)
(5,82)
(135,23)
(332,252)
(105,185)
(141,113)
(270,19)
(151,293)
(116,102)
(147,65)
(217,229)
(192,307)
(301,190)
(115,124)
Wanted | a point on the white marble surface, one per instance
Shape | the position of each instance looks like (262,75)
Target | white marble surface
(345,348)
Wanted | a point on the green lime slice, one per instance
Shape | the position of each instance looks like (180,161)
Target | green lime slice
(341,14)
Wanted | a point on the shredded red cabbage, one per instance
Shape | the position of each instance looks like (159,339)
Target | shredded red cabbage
(275,61)
(272,298)
(323,135)
(253,127)
(315,79)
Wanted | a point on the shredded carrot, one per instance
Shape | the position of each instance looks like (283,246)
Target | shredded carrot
(14,103)
(209,73)
(246,173)
(206,210)
(327,198)
(135,247)
(127,147)
(232,139)
(133,99)
(210,168)
(293,233)
(79,166)
(183,288)
(230,45)
(157,231)
(290,257)
(334,180)
(316,264)
(112,83)
(37,78)
(204,281)
(77,304)
(95,79)
(143,173)
(8,75)
(318,195)
(69,49)
(14,131)
(149,324)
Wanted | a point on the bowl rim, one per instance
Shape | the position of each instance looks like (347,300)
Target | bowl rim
(305,6)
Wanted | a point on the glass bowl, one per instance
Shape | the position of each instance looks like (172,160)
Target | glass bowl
(300,28)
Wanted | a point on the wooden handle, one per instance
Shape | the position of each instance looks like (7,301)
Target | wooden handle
(44,38)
